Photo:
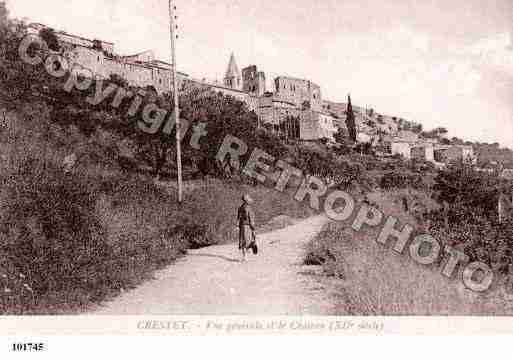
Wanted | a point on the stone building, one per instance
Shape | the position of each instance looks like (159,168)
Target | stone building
(423,152)
(301,92)
(399,147)
(316,125)
(327,126)
(250,100)
(253,81)
(452,153)
(141,57)
(98,58)
(64,37)
(292,100)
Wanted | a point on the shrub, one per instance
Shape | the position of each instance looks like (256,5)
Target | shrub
(475,193)
(395,179)
(469,219)
(49,228)
(48,35)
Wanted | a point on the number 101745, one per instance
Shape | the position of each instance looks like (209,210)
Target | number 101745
(28,347)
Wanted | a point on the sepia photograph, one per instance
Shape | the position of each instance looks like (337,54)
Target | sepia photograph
(238,166)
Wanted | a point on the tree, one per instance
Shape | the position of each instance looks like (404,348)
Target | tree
(223,115)
(468,192)
(350,120)
(4,14)
(441,131)
(48,35)
(457,141)
(118,80)
(21,82)
(97,45)
(340,136)
(364,148)
(417,128)
(406,126)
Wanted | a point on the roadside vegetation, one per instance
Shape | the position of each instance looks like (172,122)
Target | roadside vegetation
(459,208)
(78,235)
(71,237)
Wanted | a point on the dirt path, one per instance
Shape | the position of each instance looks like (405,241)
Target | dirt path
(212,281)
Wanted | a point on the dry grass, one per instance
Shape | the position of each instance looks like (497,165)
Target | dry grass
(374,280)
(69,240)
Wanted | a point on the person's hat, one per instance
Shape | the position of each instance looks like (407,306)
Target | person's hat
(246,198)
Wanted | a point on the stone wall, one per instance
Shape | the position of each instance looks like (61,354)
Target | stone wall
(253,81)
(66,38)
(309,126)
(298,91)
(327,127)
(239,95)
(448,154)
(87,58)
(401,148)
(136,74)
(423,153)
(146,56)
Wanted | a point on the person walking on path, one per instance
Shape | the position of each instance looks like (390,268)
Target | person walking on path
(246,220)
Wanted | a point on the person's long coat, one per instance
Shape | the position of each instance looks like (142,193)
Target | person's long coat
(246,220)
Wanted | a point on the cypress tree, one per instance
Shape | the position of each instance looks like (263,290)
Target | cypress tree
(350,120)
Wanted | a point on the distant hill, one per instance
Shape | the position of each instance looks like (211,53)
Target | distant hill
(370,122)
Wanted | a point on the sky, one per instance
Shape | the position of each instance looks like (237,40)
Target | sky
(438,62)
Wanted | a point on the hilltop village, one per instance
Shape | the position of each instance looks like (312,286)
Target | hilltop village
(93,209)
(296,102)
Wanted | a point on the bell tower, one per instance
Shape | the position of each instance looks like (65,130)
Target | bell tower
(233,78)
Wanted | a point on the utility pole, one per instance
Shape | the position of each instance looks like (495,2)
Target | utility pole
(172,23)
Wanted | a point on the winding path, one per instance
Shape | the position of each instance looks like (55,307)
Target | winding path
(212,281)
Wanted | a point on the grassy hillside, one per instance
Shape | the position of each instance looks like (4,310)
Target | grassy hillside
(487,153)
(72,239)
(374,280)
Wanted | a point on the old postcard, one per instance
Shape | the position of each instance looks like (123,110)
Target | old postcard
(173,167)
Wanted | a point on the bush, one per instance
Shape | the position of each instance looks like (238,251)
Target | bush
(50,223)
(71,239)
(399,180)
(469,219)
(82,237)
(475,193)
(48,35)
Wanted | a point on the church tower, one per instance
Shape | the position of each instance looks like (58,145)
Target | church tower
(233,78)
